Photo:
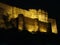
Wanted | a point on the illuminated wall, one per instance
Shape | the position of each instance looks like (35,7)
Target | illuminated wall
(31,18)
(53,25)
(31,24)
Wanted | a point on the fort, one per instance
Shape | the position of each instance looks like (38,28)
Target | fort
(32,19)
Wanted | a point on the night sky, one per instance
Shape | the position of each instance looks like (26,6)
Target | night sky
(24,37)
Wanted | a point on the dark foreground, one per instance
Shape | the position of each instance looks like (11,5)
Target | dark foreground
(15,37)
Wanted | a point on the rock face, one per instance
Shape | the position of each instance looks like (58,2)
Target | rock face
(32,20)
(3,18)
